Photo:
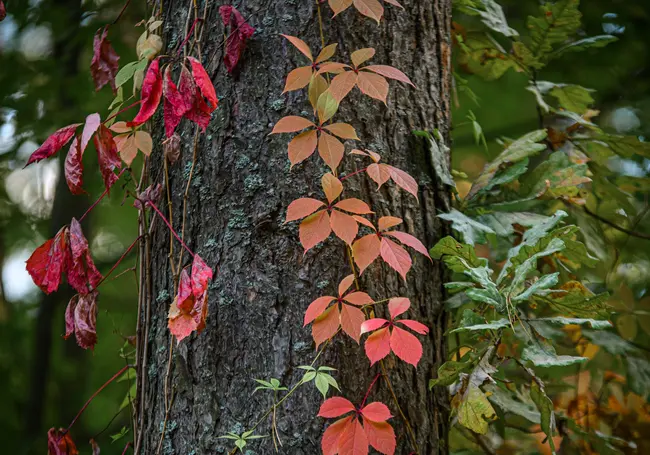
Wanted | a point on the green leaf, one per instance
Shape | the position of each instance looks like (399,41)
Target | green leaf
(578,303)
(472,231)
(322,385)
(240,443)
(638,374)
(573,98)
(493,17)
(505,400)
(458,285)
(326,106)
(583,44)
(557,176)
(545,356)
(524,147)
(492,325)
(539,287)
(483,56)
(625,146)
(308,376)
(457,256)
(126,73)
(118,100)
(502,222)
(522,270)
(545,406)
(556,23)
(117,436)
(562,321)
(449,372)
(474,410)
(508,174)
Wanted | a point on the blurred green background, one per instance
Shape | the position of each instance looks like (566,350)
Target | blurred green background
(45,53)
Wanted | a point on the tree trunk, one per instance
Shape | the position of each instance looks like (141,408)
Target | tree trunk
(240,188)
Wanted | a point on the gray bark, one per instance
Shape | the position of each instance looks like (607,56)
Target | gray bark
(238,196)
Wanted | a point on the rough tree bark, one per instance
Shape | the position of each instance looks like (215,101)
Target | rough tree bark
(240,188)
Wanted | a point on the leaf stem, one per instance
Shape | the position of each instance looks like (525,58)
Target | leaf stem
(354,173)
(180,48)
(101,197)
(363,403)
(128,250)
(159,213)
(121,110)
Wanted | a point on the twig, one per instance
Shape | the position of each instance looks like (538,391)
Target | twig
(128,250)
(636,234)
(102,196)
(159,213)
(121,12)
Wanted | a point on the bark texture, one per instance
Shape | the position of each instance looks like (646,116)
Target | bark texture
(238,194)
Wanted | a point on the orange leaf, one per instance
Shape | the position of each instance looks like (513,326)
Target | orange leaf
(332,187)
(351,320)
(361,55)
(405,346)
(397,306)
(335,407)
(345,284)
(373,85)
(342,84)
(395,256)
(364,221)
(339,6)
(326,53)
(331,436)
(302,146)
(291,124)
(332,67)
(316,308)
(331,150)
(404,181)
(314,229)
(302,207)
(353,205)
(300,45)
(365,251)
(409,240)
(344,226)
(358,298)
(379,173)
(394,2)
(342,130)
(378,345)
(386,222)
(353,440)
(370,8)
(380,435)
(144,142)
(325,325)
(389,72)
(297,79)
(376,411)
(127,147)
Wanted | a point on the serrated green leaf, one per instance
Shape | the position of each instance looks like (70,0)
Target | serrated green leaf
(522,270)
(638,373)
(545,407)
(539,287)
(502,222)
(545,356)
(457,256)
(578,303)
(609,341)
(492,16)
(449,372)
(471,230)
(483,56)
(555,24)
(583,44)
(562,321)
(574,98)
(507,402)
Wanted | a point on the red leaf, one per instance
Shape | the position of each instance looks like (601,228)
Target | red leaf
(354,205)
(404,181)
(49,260)
(152,88)
(174,105)
(104,65)
(3,11)
(376,411)
(395,256)
(389,72)
(302,207)
(60,443)
(415,326)
(380,436)
(335,407)
(200,111)
(358,298)
(378,345)
(187,89)
(81,271)
(406,346)
(185,297)
(204,83)
(345,284)
(409,240)
(53,144)
(351,320)
(74,168)
(331,436)
(107,155)
(325,325)
(69,316)
(344,226)
(353,440)
(187,313)
(365,251)
(83,307)
(201,276)
(240,32)
(372,324)
(386,222)
(397,306)
(316,308)
(314,229)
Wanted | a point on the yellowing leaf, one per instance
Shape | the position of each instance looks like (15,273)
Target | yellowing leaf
(331,150)
(326,107)
(474,410)
(297,79)
(326,53)
(339,6)
(342,84)
(361,55)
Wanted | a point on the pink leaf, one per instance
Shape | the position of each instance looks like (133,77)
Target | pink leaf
(316,308)
(345,284)
(404,181)
(351,320)
(395,256)
(398,305)
(380,436)
(389,72)
(405,346)
(358,298)
(409,240)
(415,326)
(201,276)
(378,345)
(372,324)
(73,168)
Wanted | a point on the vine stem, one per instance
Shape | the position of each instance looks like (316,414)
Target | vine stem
(159,213)
(101,197)
(121,111)
(363,403)
(354,173)
(128,250)
(121,12)
(92,397)
(187,37)
(126,447)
